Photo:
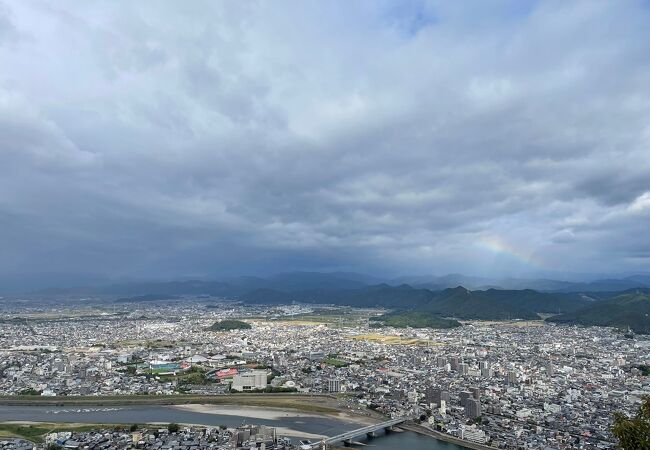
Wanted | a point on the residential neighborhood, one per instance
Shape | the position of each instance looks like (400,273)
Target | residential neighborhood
(506,385)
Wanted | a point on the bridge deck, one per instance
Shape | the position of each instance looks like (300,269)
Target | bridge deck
(360,431)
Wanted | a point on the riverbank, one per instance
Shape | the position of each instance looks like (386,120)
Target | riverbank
(306,403)
(288,422)
(269,413)
(445,437)
(266,413)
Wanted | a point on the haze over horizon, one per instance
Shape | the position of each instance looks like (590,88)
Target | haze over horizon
(501,139)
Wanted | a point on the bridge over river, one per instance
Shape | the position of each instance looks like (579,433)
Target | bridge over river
(370,430)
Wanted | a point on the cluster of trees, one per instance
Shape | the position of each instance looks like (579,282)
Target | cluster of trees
(413,319)
(228,325)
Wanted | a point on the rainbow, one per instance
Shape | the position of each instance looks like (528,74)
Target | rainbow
(497,244)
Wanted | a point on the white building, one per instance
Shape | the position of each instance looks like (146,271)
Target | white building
(256,379)
(473,434)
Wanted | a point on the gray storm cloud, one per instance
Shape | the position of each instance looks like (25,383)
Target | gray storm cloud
(169,139)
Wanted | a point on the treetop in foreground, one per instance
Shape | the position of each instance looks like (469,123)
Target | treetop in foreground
(633,433)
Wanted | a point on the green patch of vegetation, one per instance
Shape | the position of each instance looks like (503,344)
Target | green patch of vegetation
(228,325)
(30,432)
(415,319)
(195,375)
(336,362)
(29,391)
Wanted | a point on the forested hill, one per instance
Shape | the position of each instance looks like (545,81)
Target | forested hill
(631,310)
(457,302)
(371,296)
(495,304)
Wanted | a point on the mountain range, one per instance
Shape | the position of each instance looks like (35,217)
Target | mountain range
(301,281)
(607,301)
(538,284)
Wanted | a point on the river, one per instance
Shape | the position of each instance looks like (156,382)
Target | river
(283,420)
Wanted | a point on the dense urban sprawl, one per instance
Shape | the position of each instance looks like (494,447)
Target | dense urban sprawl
(503,384)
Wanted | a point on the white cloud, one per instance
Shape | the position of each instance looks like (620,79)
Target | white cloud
(322,134)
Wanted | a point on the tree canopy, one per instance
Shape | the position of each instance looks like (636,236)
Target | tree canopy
(633,433)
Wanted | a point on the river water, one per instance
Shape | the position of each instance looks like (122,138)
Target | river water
(165,414)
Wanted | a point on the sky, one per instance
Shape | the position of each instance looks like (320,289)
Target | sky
(168,139)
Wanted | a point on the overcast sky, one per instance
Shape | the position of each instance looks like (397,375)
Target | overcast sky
(165,139)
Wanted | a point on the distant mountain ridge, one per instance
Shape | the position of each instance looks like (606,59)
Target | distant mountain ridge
(600,302)
(304,281)
(538,284)
(231,286)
